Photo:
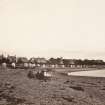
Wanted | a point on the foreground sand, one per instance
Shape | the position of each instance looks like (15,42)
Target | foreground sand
(17,89)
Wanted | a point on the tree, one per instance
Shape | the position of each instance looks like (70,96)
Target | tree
(52,61)
(66,62)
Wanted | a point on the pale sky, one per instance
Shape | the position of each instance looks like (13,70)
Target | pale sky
(53,28)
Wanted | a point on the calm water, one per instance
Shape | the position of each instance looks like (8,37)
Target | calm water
(95,73)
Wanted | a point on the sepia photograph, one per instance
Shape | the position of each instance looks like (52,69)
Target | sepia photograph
(52,52)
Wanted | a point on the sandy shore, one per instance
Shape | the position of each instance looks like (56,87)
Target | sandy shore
(17,89)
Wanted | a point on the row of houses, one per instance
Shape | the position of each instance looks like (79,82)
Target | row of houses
(34,62)
(52,62)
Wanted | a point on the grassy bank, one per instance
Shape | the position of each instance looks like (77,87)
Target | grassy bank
(17,89)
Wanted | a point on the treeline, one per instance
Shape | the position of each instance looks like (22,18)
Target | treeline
(76,61)
(90,62)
